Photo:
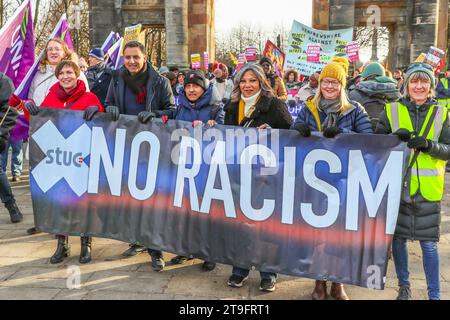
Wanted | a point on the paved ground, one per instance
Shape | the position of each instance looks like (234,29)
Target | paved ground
(25,271)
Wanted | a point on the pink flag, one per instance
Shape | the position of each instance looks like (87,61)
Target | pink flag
(313,53)
(353,51)
(17,44)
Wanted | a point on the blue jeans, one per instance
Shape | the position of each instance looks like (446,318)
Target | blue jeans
(430,258)
(6,194)
(16,157)
(244,273)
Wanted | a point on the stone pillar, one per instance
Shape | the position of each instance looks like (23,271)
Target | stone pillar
(321,14)
(176,12)
(342,14)
(104,16)
(201,28)
(423,27)
(442,25)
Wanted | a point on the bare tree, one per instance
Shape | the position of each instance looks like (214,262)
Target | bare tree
(375,39)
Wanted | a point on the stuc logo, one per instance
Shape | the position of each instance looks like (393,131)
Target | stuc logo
(64,158)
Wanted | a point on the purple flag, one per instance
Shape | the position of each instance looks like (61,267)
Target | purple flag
(110,41)
(61,30)
(115,57)
(17,44)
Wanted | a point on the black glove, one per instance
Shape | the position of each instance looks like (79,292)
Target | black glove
(145,116)
(403,134)
(3,144)
(89,112)
(419,143)
(303,129)
(225,101)
(114,111)
(32,108)
(332,132)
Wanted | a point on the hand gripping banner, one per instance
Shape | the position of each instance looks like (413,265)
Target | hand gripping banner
(308,207)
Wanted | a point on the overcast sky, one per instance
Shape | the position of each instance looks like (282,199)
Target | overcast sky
(266,13)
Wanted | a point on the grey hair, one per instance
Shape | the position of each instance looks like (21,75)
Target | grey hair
(423,76)
(266,90)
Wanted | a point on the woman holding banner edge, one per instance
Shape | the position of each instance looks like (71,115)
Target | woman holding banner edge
(56,51)
(69,94)
(332,113)
(253,104)
(418,120)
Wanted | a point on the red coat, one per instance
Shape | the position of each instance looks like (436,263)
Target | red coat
(79,100)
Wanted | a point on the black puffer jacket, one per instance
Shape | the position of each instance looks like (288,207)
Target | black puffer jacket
(6,89)
(99,78)
(373,96)
(268,110)
(419,219)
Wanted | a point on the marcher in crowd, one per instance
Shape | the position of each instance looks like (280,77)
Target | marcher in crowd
(56,51)
(275,81)
(221,83)
(308,90)
(69,93)
(199,104)
(16,158)
(254,104)
(331,113)
(375,91)
(137,89)
(291,81)
(180,82)
(398,76)
(83,64)
(418,120)
(98,74)
(8,118)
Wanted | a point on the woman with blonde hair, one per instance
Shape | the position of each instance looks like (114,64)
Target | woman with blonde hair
(331,113)
(253,104)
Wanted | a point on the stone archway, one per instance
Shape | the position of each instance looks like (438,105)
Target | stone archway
(188,24)
(414,25)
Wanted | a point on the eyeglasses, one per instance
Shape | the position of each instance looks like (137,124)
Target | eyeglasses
(49,49)
(327,83)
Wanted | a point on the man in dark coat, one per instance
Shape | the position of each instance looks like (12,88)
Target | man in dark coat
(8,118)
(374,91)
(98,75)
(137,89)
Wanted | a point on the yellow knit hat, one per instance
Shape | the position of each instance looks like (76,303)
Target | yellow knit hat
(336,69)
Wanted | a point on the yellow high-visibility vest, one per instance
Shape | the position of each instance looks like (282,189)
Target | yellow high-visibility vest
(444,102)
(427,173)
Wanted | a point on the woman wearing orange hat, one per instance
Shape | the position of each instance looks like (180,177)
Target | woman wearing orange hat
(332,113)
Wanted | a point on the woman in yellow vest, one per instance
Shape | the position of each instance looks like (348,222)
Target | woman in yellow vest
(419,120)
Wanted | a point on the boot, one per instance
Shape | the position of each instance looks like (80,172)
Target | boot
(320,290)
(14,212)
(85,253)
(337,291)
(62,251)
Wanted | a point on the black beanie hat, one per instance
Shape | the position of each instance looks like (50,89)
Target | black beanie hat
(197,77)
(266,59)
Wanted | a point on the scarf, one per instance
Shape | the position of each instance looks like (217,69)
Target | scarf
(137,83)
(64,96)
(332,109)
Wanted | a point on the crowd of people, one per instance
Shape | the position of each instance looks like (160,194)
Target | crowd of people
(411,105)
